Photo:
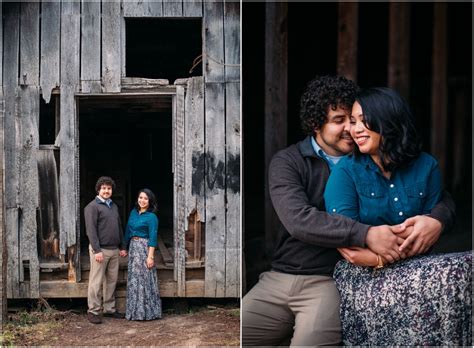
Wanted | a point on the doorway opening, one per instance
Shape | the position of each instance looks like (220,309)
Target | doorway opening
(128,138)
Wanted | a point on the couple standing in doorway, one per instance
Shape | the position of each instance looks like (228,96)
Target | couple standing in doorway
(108,243)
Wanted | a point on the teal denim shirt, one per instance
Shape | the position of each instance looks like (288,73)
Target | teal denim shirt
(358,189)
(144,225)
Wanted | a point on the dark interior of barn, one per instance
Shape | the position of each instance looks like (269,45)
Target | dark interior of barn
(130,140)
(312,34)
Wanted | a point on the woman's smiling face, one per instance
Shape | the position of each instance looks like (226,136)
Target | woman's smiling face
(368,141)
(143,201)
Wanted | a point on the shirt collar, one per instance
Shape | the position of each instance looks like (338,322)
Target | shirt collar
(332,160)
(108,202)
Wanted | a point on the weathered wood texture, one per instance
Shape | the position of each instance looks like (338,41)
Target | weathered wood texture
(439,89)
(232,41)
(399,47)
(3,245)
(111,46)
(50,40)
(347,39)
(192,8)
(194,161)
(180,204)
(29,43)
(213,43)
(139,8)
(172,8)
(11,47)
(276,100)
(215,189)
(29,115)
(90,47)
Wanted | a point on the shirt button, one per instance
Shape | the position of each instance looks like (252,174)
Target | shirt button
(392,185)
(334,210)
(395,199)
(372,194)
(400,213)
(421,193)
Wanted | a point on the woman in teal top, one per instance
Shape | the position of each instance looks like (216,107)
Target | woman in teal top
(385,181)
(141,234)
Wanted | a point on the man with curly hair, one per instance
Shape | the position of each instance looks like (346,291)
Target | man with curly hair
(104,230)
(297,301)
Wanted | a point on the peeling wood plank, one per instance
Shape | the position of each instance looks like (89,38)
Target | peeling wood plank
(50,40)
(399,47)
(347,27)
(111,46)
(29,193)
(194,150)
(192,8)
(276,100)
(215,189)
(172,8)
(90,47)
(213,45)
(13,266)
(165,254)
(11,44)
(140,8)
(29,43)
(70,38)
(232,41)
(179,233)
(232,187)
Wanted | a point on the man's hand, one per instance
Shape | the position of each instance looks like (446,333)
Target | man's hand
(99,257)
(359,256)
(382,240)
(425,233)
(123,253)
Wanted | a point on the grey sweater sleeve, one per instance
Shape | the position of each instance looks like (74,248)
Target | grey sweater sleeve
(302,220)
(90,217)
(445,211)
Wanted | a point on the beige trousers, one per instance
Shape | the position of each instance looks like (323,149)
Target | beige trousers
(102,282)
(283,307)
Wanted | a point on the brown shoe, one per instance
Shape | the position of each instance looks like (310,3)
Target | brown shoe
(93,318)
(116,315)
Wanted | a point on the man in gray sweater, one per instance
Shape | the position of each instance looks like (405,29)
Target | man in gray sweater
(104,230)
(297,301)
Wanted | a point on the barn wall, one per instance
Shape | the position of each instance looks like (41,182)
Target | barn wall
(81,50)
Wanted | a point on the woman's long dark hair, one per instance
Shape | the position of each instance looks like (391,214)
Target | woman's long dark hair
(152,205)
(388,114)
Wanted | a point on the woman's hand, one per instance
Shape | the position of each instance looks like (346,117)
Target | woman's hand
(359,256)
(150,262)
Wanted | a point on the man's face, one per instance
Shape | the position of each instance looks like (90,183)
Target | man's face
(105,191)
(334,136)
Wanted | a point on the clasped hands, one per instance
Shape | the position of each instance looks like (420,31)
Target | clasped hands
(414,236)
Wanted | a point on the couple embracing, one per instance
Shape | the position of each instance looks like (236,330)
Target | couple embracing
(360,189)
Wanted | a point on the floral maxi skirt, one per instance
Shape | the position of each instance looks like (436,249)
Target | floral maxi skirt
(423,300)
(143,297)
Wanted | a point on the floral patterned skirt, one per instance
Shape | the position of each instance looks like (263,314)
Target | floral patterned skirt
(425,300)
(143,298)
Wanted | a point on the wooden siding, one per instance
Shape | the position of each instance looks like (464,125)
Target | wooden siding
(78,47)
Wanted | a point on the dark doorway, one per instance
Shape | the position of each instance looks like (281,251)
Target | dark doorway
(128,138)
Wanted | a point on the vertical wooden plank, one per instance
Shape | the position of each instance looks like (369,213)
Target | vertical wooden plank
(50,39)
(10,82)
(70,38)
(399,47)
(232,41)
(111,46)
(192,8)
(1,45)
(215,190)
(90,47)
(194,155)
(439,95)
(29,43)
(29,184)
(347,39)
(172,8)
(3,244)
(276,100)
(140,8)
(180,204)
(213,41)
(232,175)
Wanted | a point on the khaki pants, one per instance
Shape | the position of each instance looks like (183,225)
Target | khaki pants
(283,306)
(103,276)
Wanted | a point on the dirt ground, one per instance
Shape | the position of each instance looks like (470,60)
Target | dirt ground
(203,325)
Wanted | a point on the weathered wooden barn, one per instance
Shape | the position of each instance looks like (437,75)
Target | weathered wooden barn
(147,92)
